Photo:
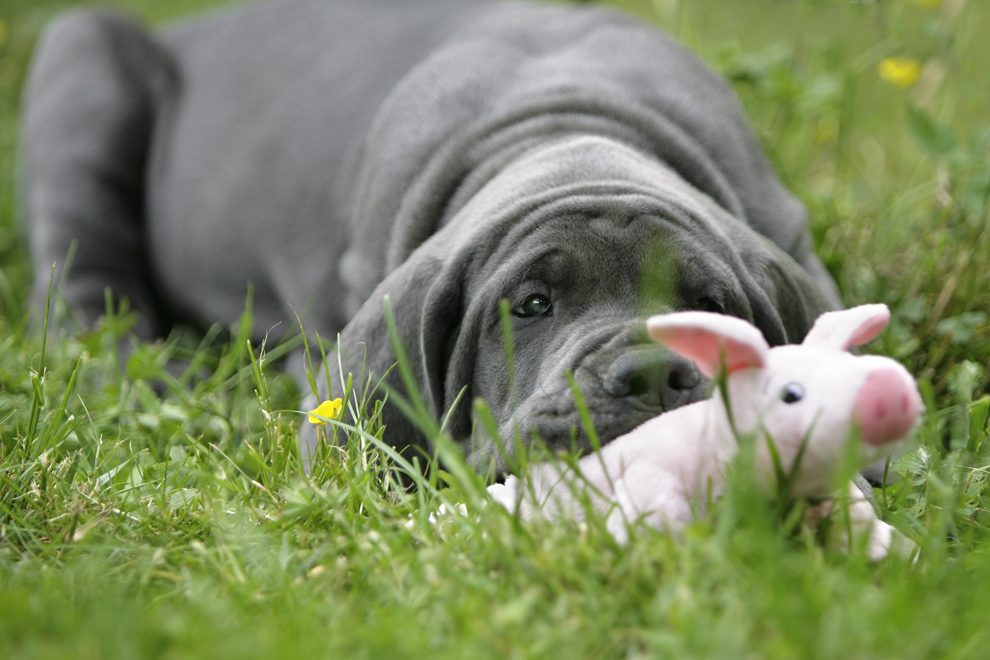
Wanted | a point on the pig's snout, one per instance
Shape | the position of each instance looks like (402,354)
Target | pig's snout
(886,406)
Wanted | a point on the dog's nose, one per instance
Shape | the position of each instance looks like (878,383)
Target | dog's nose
(654,378)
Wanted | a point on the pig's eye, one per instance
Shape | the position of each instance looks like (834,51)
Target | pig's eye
(792,393)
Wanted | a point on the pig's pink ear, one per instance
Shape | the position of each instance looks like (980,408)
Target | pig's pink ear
(848,328)
(708,339)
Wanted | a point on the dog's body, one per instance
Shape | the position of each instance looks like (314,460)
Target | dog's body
(448,154)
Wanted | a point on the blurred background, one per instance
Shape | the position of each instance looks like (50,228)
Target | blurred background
(873,112)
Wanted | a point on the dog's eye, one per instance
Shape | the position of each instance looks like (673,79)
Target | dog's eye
(535,305)
(706,304)
(792,393)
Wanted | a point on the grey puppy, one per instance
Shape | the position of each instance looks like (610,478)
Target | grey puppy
(448,154)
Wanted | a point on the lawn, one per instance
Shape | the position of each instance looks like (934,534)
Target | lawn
(140,524)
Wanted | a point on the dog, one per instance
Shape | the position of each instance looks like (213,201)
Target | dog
(572,161)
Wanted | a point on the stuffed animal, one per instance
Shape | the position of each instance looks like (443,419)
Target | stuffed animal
(809,400)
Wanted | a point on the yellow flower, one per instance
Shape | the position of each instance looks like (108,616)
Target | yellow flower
(326,410)
(900,71)
(930,4)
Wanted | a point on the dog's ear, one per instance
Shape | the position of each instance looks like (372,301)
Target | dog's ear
(426,300)
(792,292)
(710,340)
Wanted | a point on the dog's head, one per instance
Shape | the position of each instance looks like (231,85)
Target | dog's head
(583,239)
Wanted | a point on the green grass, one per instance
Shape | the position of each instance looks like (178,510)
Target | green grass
(139,525)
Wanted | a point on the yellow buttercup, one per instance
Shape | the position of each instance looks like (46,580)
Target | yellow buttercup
(326,410)
(900,72)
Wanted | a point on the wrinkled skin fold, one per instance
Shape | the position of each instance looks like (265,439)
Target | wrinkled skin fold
(571,161)
(605,237)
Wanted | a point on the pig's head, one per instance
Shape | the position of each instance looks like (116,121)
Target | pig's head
(815,394)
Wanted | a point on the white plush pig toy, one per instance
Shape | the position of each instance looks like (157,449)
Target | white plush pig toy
(816,393)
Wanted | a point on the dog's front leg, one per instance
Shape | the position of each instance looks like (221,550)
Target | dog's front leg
(88,119)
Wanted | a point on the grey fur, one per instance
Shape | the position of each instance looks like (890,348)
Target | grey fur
(447,154)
